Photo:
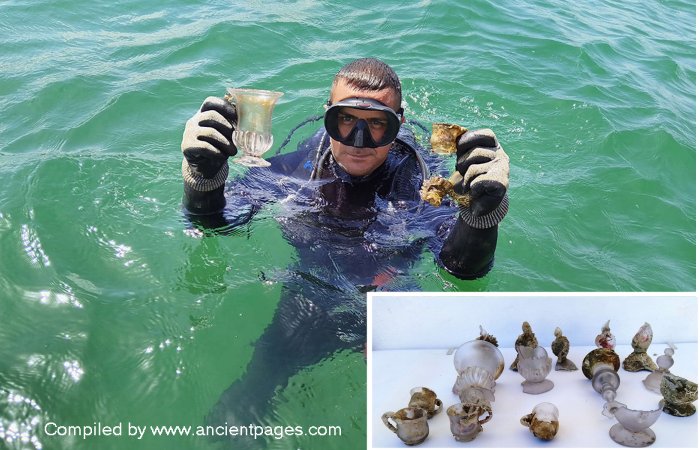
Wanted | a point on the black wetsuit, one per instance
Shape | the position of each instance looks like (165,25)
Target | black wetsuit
(352,235)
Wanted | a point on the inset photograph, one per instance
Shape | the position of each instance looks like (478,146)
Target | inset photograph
(526,370)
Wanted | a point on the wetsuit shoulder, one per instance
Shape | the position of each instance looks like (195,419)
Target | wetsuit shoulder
(300,163)
(405,168)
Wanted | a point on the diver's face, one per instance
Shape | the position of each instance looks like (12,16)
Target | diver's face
(355,160)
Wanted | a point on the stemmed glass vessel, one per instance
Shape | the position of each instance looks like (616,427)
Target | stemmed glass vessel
(253,132)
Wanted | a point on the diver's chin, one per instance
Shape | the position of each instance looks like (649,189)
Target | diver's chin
(356,161)
(358,167)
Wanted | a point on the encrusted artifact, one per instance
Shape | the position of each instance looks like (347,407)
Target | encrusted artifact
(679,395)
(526,339)
(639,359)
(426,399)
(444,137)
(605,339)
(466,420)
(560,349)
(444,140)
(599,356)
(485,336)
(543,421)
(435,188)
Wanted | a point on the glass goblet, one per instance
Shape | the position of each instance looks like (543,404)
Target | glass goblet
(253,132)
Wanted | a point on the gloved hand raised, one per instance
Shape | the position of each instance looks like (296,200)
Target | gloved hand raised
(485,168)
(207,144)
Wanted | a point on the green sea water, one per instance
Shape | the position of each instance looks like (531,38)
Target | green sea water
(110,312)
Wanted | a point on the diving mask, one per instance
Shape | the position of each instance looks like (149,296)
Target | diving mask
(349,129)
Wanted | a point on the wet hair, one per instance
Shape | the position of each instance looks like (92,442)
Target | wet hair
(370,74)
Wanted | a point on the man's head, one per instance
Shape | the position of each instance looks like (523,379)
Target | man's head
(366,78)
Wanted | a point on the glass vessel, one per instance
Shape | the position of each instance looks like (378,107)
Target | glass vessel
(664,363)
(466,420)
(543,421)
(409,424)
(475,385)
(424,398)
(479,363)
(482,354)
(253,132)
(632,429)
(534,366)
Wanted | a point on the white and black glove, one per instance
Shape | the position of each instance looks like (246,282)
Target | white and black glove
(207,144)
(485,168)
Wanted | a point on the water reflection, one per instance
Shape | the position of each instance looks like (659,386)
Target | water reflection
(33,247)
(50,298)
(21,419)
(74,370)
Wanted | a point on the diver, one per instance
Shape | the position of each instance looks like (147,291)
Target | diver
(351,207)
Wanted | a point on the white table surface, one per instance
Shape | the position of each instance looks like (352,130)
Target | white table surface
(395,372)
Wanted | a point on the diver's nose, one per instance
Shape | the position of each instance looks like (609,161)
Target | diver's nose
(360,129)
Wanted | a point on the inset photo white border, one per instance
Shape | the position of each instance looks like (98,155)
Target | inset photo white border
(412,338)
